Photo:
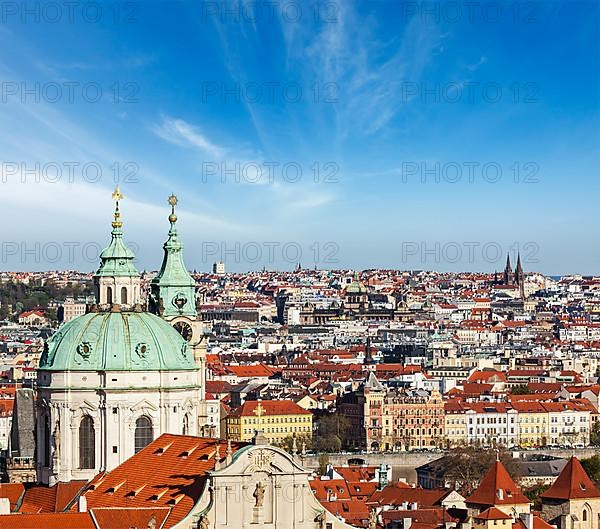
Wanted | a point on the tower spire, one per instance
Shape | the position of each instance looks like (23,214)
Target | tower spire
(117,196)
(508,271)
(173,288)
(117,280)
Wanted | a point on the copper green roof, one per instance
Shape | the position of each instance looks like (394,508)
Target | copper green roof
(173,290)
(116,259)
(117,341)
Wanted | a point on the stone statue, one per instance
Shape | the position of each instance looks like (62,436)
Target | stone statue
(56,440)
(152,522)
(321,519)
(203,522)
(372,519)
(259,494)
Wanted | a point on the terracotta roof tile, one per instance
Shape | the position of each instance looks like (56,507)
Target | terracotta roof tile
(492,513)
(12,491)
(121,518)
(170,472)
(270,407)
(572,483)
(497,488)
(47,521)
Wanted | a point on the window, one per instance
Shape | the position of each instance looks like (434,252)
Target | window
(124,296)
(186,425)
(143,433)
(109,297)
(87,443)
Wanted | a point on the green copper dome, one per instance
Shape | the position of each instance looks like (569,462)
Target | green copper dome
(117,341)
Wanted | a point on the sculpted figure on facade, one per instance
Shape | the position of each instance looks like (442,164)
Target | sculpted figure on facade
(259,494)
(372,519)
(203,522)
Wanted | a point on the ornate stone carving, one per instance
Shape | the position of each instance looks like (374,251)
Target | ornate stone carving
(203,522)
(372,519)
(321,519)
(260,460)
(259,494)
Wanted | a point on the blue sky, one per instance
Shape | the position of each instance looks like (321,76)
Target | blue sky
(376,95)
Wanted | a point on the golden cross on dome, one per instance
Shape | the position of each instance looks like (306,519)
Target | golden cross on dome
(259,411)
(117,195)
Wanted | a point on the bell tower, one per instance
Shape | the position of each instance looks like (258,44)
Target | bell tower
(173,297)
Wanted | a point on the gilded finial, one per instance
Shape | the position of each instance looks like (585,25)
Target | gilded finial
(117,196)
(172,202)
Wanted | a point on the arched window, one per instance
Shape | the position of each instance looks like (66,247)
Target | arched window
(186,424)
(123,296)
(109,295)
(47,434)
(143,433)
(87,443)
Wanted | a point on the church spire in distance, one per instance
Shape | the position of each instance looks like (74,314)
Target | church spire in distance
(173,290)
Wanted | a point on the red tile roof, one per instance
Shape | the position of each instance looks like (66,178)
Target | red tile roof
(12,491)
(124,518)
(170,472)
(41,499)
(572,483)
(400,493)
(270,407)
(492,513)
(538,523)
(497,488)
(63,520)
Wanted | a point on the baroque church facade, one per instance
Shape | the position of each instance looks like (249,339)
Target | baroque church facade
(116,378)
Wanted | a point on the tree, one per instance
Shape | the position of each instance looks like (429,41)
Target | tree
(592,466)
(533,493)
(595,434)
(302,440)
(323,463)
(521,389)
(465,467)
(332,433)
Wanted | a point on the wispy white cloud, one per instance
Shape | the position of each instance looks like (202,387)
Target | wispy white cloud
(475,66)
(180,132)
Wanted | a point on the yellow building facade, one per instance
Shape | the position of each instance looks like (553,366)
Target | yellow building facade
(278,420)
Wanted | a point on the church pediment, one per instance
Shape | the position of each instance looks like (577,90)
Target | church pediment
(269,459)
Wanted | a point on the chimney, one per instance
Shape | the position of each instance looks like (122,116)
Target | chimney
(406,523)
(82,503)
(329,471)
(4,506)
(527,519)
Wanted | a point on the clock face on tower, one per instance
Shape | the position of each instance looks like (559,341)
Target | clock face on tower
(185,329)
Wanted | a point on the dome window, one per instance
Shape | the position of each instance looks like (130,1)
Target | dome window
(142,350)
(85,350)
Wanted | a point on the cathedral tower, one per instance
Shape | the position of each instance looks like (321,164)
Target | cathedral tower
(173,298)
(111,381)
(117,281)
(508,273)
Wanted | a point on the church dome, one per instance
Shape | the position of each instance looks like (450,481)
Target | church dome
(356,287)
(117,341)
